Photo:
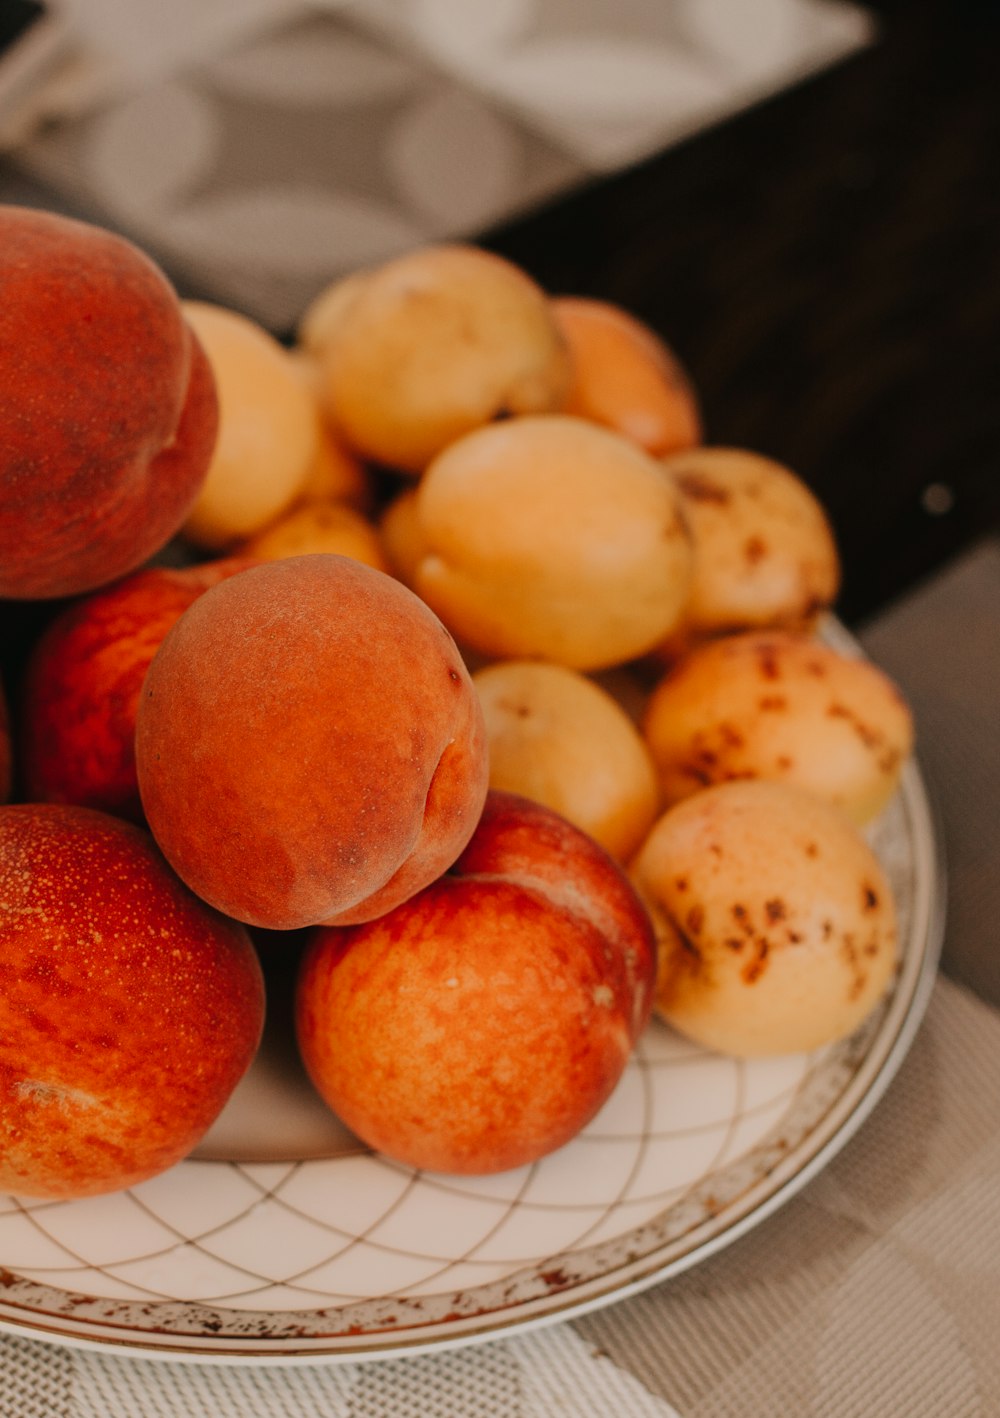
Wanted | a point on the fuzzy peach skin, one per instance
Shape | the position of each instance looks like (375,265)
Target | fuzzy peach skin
(774,704)
(107,405)
(765,552)
(431,345)
(626,377)
(775,922)
(548,537)
(129,1010)
(82,682)
(482,1024)
(309,744)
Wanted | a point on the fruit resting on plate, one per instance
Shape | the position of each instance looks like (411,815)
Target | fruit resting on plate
(301,733)
(129,1010)
(776,923)
(482,1023)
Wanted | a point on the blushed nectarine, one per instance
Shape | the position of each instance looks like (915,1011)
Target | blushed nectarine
(107,405)
(129,1010)
(309,744)
(82,682)
(481,1024)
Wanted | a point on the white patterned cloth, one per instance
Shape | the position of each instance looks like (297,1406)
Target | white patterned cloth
(260,148)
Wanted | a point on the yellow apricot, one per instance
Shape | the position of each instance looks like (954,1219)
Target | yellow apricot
(548,537)
(626,377)
(268,429)
(556,737)
(765,553)
(434,344)
(315,527)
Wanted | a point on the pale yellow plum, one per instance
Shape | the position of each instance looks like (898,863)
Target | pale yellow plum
(434,344)
(776,704)
(765,553)
(549,537)
(316,527)
(558,738)
(776,925)
(269,429)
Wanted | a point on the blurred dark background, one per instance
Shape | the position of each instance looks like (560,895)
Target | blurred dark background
(828,264)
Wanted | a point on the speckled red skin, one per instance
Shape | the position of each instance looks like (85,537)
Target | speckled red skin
(309,744)
(129,1011)
(482,1024)
(107,404)
(83,680)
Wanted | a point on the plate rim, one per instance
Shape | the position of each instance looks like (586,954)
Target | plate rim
(892,1038)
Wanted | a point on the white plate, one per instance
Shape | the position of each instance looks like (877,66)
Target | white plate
(283,1240)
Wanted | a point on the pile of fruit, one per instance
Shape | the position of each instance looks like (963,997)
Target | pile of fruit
(436,652)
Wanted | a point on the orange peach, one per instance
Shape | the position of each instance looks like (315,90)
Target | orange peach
(107,405)
(548,537)
(560,739)
(434,344)
(129,1010)
(269,430)
(779,705)
(82,682)
(481,1024)
(309,744)
(626,377)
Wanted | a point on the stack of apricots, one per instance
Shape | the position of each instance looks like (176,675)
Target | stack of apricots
(435,648)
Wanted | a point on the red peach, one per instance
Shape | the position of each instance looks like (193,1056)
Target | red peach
(107,404)
(482,1024)
(309,744)
(83,680)
(129,1010)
